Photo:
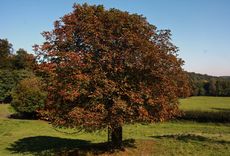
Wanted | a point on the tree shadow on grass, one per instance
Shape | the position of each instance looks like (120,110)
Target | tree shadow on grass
(191,137)
(221,116)
(48,146)
(222,109)
(24,116)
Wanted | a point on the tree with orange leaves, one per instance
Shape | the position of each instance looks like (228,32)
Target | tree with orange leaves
(107,68)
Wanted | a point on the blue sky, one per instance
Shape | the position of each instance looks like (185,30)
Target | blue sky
(200,28)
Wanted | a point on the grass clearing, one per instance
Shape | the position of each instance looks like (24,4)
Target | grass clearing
(35,137)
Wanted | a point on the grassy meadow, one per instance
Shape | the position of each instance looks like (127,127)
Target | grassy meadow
(179,137)
(204,103)
(206,109)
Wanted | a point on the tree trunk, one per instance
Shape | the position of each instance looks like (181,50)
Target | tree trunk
(115,136)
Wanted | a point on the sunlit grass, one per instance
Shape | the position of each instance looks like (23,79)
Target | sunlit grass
(205,103)
(36,137)
(206,109)
(4,110)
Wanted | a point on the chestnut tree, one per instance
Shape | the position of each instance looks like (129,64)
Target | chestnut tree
(106,68)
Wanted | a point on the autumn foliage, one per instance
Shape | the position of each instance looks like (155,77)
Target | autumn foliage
(105,68)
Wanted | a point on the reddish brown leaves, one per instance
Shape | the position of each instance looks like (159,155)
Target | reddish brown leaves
(107,67)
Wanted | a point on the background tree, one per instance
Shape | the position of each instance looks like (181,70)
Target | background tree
(205,85)
(5,53)
(212,87)
(13,68)
(105,68)
(23,60)
(8,80)
(29,96)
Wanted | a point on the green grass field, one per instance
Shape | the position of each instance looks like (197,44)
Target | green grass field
(203,103)
(35,137)
(206,109)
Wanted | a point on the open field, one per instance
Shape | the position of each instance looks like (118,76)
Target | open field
(205,103)
(206,109)
(35,137)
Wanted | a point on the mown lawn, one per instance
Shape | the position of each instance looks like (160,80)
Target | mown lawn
(35,137)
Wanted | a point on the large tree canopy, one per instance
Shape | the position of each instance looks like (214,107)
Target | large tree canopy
(108,67)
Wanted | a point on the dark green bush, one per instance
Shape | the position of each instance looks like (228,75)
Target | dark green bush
(7,82)
(28,96)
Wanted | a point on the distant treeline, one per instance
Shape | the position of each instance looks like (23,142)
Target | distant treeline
(206,85)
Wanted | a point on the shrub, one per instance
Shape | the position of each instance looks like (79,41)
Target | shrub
(28,96)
